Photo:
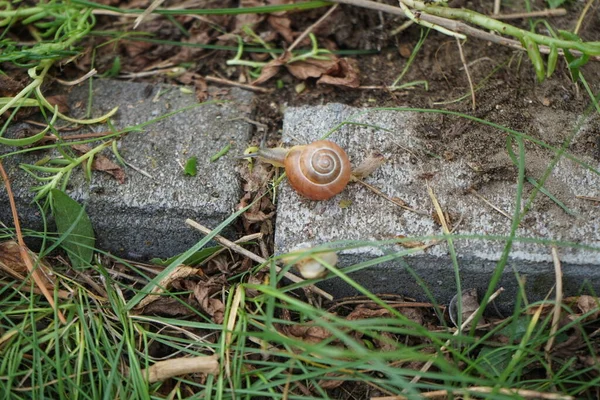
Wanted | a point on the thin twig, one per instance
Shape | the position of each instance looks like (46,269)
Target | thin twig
(388,198)
(466,67)
(589,198)
(311,28)
(246,86)
(557,304)
(486,201)
(23,249)
(582,16)
(240,250)
(556,12)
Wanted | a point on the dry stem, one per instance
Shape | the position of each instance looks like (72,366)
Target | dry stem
(23,249)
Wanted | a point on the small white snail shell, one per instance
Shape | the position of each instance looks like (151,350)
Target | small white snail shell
(310,266)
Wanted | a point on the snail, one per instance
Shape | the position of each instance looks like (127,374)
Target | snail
(318,171)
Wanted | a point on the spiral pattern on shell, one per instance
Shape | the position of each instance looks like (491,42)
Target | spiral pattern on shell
(319,170)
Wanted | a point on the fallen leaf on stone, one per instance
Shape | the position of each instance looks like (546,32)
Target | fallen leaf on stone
(102,163)
(60,101)
(201,89)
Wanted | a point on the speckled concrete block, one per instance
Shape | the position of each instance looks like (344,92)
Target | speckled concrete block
(359,214)
(144,217)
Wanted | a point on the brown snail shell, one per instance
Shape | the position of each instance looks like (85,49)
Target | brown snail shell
(317,171)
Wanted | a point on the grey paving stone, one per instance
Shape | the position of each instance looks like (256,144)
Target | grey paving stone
(144,217)
(358,214)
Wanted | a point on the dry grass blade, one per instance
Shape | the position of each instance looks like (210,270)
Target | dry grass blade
(399,203)
(77,81)
(312,27)
(557,304)
(444,394)
(233,313)
(466,67)
(147,12)
(23,249)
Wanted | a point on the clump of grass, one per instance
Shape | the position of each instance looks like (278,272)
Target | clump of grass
(272,342)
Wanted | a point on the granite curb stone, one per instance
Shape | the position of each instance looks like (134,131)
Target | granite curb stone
(358,214)
(144,217)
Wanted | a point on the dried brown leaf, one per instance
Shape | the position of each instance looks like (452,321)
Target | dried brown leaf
(182,271)
(313,68)
(332,71)
(269,71)
(363,312)
(330,383)
(250,20)
(201,89)
(587,304)
(9,87)
(346,74)
(102,163)
(308,333)
(409,244)
(61,101)
(169,307)
(203,293)
(282,25)
(12,263)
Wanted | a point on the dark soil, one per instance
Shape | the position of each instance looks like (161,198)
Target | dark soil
(507,90)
